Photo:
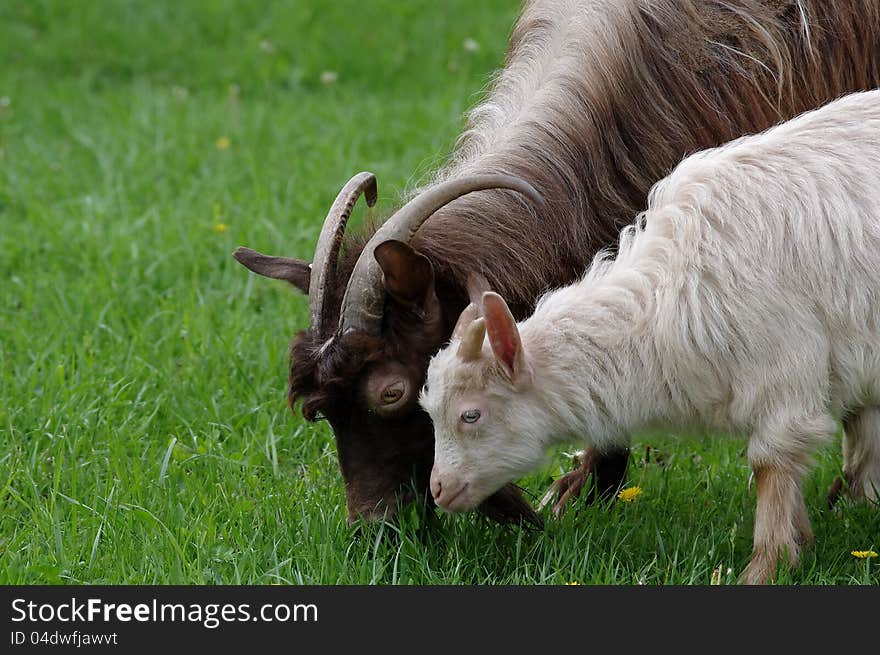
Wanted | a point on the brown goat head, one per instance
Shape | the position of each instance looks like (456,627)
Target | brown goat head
(376,319)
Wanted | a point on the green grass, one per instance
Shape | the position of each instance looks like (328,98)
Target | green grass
(143,432)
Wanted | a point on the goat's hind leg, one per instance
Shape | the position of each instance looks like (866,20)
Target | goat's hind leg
(779,461)
(861,454)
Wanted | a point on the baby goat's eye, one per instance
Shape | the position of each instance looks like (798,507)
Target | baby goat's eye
(470,415)
(392,394)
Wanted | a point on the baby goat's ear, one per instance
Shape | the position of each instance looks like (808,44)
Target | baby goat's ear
(295,271)
(503,335)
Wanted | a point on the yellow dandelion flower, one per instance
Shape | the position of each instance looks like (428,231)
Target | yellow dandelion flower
(572,584)
(223,143)
(864,554)
(220,227)
(630,494)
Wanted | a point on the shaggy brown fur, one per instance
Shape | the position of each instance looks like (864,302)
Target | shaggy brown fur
(596,102)
(672,77)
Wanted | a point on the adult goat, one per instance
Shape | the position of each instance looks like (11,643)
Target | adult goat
(597,100)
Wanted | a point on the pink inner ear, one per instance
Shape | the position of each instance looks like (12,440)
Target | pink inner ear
(502,331)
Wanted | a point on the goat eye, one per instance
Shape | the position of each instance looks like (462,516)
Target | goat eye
(470,415)
(391,395)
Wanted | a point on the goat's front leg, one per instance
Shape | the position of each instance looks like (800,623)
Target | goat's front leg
(601,473)
(779,461)
(781,522)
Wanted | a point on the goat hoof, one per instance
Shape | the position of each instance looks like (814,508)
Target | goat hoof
(766,561)
(834,492)
(758,572)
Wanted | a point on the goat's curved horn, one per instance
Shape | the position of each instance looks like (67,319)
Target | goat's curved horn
(364,299)
(329,241)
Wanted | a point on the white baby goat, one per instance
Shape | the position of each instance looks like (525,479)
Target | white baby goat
(746,300)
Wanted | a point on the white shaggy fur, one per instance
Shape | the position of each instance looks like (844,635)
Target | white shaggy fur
(745,300)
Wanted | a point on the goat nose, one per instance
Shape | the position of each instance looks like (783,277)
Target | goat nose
(447,489)
(436,486)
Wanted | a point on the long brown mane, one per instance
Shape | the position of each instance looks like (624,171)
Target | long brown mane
(630,88)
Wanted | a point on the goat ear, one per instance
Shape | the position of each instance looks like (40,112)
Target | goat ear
(472,340)
(295,271)
(409,276)
(503,335)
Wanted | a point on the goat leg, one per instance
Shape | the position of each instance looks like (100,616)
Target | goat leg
(602,473)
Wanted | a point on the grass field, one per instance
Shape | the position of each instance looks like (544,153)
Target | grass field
(144,436)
